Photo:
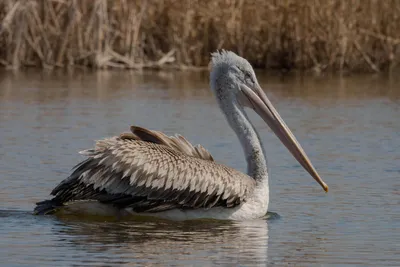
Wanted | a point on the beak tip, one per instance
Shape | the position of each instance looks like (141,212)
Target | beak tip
(326,188)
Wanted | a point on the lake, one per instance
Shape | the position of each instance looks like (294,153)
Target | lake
(348,125)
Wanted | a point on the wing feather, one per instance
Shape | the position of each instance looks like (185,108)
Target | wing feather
(177,142)
(149,171)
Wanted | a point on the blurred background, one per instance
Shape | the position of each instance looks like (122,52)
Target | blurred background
(354,35)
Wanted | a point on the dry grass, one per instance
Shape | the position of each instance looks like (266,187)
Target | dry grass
(356,35)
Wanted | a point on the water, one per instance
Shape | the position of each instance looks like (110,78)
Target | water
(349,126)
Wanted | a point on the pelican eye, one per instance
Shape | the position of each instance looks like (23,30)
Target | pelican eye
(248,77)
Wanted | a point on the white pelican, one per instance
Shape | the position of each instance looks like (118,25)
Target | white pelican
(148,173)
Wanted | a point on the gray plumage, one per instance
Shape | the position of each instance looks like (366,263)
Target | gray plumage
(148,171)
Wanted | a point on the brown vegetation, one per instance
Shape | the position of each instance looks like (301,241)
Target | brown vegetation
(289,34)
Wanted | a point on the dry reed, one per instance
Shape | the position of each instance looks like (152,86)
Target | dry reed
(356,35)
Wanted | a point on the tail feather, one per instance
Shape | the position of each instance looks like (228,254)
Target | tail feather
(46,207)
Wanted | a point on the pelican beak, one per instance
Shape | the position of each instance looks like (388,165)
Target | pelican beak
(268,113)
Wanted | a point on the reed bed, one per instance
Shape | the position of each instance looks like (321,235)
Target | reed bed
(353,35)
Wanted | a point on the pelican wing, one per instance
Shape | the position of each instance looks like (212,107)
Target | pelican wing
(150,172)
(177,142)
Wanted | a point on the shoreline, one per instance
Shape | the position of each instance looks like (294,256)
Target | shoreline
(318,36)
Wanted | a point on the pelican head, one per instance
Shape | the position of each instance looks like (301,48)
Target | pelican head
(234,82)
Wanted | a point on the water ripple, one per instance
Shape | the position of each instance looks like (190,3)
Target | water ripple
(349,131)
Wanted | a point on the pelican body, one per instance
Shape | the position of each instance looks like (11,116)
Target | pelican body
(146,172)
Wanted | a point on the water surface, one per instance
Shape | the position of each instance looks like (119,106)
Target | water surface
(349,127)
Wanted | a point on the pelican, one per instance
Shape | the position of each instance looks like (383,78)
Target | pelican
(147,173)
